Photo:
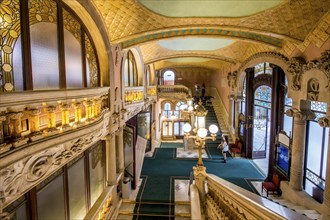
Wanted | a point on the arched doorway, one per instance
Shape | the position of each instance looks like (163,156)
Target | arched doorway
(169,77)
(261,113)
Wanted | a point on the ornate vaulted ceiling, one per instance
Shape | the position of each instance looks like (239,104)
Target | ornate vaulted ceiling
(163,30)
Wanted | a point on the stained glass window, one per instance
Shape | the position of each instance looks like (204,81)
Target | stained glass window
(262,68)
(319,108)
(262,96)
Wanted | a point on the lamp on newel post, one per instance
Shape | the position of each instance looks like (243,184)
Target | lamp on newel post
(200,134)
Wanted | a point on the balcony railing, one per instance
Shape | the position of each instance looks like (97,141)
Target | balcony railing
(133,95)
(26,117)
(174,89)
(152,91)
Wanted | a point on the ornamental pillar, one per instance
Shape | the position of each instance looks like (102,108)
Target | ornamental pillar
(200,178)
(120,149)
(230,111)
(298,145)
(34,113)
(238,101)
(15,128)
(2,138)
(110,149)
(325,122)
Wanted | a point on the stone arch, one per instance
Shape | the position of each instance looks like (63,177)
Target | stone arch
(97,29)
(270,57)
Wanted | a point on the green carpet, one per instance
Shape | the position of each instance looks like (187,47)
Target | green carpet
(155,199)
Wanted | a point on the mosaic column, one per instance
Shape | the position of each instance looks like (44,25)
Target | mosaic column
(51,118)
(120,150)
(88,109)
(110,146)
(77,112)
(298,146)
(65,115)
(15,128)
(325,122)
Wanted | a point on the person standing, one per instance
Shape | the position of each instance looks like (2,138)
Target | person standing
(197,88)
(203,90)
(224,147)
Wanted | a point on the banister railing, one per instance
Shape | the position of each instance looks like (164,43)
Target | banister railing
(235,202)
(174,89)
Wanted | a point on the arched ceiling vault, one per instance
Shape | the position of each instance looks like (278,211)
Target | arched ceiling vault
(258,26)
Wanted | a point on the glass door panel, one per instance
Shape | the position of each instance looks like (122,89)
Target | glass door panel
(260,132)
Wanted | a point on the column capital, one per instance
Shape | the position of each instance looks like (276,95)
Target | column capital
(34,112)
(324,121)
(15,115)
(108,137)
(301,114)
(65,107)
(51,108)
(231,97)
(77,104)
(2,118)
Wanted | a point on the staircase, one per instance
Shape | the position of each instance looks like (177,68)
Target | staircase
(297,208)
(126,211)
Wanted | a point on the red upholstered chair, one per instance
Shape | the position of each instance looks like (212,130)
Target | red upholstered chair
(236,148)
(273,186)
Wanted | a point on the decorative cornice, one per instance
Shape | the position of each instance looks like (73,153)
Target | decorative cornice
(262,79)
(301,114)
(232,79)
(295,67)
(322,64)
(24,174)
(324,121)
(264,54)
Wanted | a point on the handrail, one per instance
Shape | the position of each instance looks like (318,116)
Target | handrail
(195,206)
(238,202)
(174,89)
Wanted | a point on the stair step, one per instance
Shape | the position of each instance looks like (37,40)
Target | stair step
(124,217)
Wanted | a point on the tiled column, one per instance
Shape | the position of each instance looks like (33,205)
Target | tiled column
(110,144)
(120,150)
(88,110)
(77,112)
(325,122)
(65,115)
(298,146)
(51,117)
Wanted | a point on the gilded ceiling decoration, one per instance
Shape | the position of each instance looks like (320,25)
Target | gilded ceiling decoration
(288,26)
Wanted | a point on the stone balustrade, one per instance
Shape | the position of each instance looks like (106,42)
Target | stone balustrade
(30,116)
(225,199)
(175,91)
